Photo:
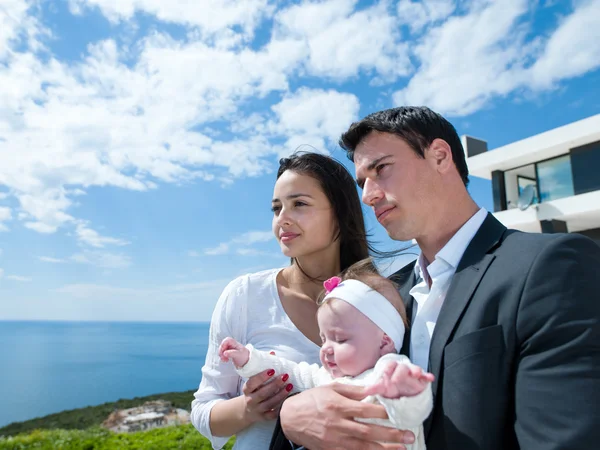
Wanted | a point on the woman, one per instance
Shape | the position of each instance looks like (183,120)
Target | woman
(318,222)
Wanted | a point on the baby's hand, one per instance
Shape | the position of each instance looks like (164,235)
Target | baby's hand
(400,380)
(231,349)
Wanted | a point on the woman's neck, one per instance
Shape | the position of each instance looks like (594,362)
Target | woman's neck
(307,273)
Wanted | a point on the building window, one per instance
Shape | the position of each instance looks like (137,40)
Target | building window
(585,162)
(515,181)
(555,179)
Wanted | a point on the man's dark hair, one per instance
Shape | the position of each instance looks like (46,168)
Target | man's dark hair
(417,125)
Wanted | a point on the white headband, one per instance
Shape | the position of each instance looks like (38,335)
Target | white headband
(371,303)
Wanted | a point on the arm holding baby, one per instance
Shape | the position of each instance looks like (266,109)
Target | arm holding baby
(249,361)
(404,389)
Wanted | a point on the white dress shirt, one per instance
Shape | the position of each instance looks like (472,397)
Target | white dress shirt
(250,311)
(430,292)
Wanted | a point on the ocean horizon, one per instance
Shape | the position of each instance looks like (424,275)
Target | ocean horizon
(53,366)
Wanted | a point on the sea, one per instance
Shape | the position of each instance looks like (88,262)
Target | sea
(47,367)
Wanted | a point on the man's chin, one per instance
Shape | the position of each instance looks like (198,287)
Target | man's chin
(395,232)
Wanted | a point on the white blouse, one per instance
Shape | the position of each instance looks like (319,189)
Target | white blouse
(250,311)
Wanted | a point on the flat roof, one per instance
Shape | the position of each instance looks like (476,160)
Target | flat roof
(536,148)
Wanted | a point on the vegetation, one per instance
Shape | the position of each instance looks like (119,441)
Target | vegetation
(79,429)
(96,438)
(82,418)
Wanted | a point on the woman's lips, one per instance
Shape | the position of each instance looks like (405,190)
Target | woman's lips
(287,237)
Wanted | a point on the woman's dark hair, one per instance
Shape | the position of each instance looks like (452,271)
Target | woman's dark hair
(417,125)
(340,189)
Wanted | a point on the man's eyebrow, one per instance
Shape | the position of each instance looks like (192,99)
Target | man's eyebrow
(361,181)
(292,196)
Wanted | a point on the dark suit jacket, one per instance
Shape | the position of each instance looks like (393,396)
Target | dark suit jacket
(516,348)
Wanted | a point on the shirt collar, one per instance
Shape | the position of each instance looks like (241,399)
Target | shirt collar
(455,248)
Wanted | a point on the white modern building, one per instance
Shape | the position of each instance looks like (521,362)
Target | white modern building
(546,183)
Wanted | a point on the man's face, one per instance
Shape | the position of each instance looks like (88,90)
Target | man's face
(396,183)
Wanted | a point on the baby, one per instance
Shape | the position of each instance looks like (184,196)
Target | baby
(361,322)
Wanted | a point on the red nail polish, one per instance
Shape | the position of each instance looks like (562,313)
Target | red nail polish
(271,373)
(285,377)
(289,387)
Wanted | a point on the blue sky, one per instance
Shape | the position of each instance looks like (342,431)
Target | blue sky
(139,138)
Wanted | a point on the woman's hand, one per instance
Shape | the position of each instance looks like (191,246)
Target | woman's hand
(263,395)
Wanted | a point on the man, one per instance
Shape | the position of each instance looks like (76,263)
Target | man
(508,322)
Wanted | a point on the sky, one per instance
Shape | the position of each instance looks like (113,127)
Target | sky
(139,139)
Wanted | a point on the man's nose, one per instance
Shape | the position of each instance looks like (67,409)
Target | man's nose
(372,193)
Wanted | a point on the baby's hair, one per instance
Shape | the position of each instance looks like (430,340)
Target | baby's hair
(366,272)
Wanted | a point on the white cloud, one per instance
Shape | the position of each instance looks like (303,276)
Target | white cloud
(472,58)
(246,240)
(220,249)
(252,237)
(173,302)
(468,59)
(18,278)
(1,273)
(314,116)
(106,291)
(49,259)
(103,259)
(134,116)
(577,36)
(5,215)
(343,42)
(193,253)
(3,195)
(211,16)
(92,238)
(417,14)
(17,25)
(65,110)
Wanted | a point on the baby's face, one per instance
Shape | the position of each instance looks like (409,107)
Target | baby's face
(351,342)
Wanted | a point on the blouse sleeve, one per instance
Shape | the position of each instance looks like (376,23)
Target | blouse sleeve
(220,381)
(405,412)
(302,375)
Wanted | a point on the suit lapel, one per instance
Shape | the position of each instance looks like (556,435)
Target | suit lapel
(469,272)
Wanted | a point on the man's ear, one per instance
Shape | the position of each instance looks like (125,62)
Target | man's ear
(386,346)
(439,154)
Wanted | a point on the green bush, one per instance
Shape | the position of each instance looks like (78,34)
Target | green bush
(83,418)
(96,438)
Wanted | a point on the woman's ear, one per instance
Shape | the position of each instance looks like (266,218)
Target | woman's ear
(386,346)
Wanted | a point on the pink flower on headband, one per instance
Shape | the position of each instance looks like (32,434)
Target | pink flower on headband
(332,283)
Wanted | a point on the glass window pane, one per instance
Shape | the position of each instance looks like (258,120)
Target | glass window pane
(585,162)
(515,181)
(555,179)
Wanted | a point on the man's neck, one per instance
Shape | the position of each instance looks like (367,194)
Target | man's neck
(432,242)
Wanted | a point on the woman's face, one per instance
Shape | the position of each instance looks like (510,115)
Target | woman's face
(303,219)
